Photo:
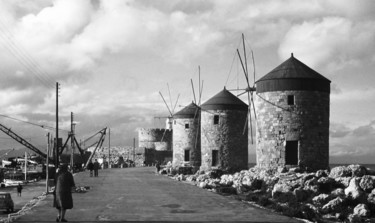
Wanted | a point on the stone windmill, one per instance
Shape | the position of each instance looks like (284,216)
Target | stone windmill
(293,106)
(223,143)
(292,115)
(158,139)
(186,133)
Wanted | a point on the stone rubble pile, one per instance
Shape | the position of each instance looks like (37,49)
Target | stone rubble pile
(346,193)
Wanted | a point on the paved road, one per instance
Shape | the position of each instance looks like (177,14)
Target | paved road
(29,191)
(138,194)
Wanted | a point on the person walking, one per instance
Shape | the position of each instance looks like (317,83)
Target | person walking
(157,166)
(63,199)
(90,167)
(96,168)
(19,189)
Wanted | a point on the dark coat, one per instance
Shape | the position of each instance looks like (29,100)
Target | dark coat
(96,165)
(63,190)
(19,188)
(90,166)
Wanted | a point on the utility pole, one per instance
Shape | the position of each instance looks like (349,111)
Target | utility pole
(134,151)
(109,147)
(57,126)
(25,164)
(47,163)
(72,140)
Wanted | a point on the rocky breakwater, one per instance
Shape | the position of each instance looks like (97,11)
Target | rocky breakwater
(346,193)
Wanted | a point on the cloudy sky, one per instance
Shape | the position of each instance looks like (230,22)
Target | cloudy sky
(113,57)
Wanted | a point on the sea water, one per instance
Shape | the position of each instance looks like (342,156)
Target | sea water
(368,166)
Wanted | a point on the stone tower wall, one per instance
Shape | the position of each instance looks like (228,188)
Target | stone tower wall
(307,121)
(151,138)
(227,137)
(186,139)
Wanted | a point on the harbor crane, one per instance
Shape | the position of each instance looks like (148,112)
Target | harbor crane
(98,143)
(22,141)
(28,145)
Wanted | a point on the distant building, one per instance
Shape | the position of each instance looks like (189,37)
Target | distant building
(292,106)
(158,139)
(186,137)
(157,143)
(223,142)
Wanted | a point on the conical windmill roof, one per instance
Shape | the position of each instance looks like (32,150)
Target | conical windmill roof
(224,100)
(292,74)
(190,111)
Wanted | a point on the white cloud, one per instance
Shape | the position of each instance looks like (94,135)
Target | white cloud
(355,142)
(113,56)
(364,94)
(335,42)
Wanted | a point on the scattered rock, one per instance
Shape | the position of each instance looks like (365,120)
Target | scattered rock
(311,183)
(333,195)
(215,173)
(361,210)
(181,177)
(202,178)
(335,205)
(321,199)
(246,180)
(367,183)
(295,170)
(202,185)
(353,190)
(312,189)
(357,170)
(340,171)
(226,190)
(354,218)
(321,173)
(343,181)
(282,192)
(371,198)
(242,189)
(301,194)
(255,196)
(226,180)
(282,169)
(191,178)
(309,211)
(256,184)
(326,184)
(339,192)
(213,183)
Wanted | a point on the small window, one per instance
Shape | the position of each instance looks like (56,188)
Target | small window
(186,125)
(187,155)
(174,122)
(290,99)
(216,119)
(215,157)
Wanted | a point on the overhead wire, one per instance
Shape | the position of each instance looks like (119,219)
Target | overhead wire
(31,123)
(25,54)
(23,57)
